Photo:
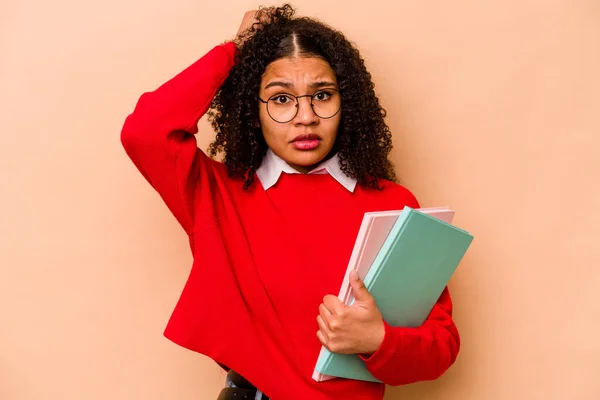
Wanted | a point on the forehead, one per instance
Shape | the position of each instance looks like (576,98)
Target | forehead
(298,70)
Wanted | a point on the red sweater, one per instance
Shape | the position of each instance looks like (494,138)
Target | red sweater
(264,260)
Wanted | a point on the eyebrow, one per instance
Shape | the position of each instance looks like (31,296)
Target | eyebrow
(289,85)
(279,83)
(320,84)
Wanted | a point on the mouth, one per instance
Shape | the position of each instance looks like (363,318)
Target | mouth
(310,136)
(306,142)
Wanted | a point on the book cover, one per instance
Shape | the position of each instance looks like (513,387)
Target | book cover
(407,276)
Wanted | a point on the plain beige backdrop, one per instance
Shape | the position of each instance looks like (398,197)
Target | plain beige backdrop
(494,106)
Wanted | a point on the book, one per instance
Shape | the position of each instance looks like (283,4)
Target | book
(374,229)
(405,259)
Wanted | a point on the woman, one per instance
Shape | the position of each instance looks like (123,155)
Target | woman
(272,226)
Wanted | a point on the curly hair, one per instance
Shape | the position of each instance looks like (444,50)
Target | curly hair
(364,139)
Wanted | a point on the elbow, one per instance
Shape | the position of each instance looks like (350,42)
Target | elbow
(443,353)
(447,353)
(431,365)
(439,369)
(128,134)
(132,137)
(136,124)
(430,373)
(443,357)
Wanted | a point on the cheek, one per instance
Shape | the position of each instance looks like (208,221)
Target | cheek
(265,123)
(333,126)
(262,115)
(272,131)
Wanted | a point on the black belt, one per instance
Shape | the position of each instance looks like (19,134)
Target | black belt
(239,394)
(244,390)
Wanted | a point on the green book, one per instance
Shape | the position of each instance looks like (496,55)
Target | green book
(408,275)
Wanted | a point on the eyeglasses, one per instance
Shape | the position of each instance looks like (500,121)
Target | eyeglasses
(283,107)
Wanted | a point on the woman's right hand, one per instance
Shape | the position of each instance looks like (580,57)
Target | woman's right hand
(250,18)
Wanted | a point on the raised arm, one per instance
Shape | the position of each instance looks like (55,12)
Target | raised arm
(159,135)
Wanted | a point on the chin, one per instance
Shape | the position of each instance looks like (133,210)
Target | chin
(307,158)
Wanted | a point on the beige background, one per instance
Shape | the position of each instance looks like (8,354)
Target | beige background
(495,110)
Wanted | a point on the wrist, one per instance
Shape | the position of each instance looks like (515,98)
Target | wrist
(377,339)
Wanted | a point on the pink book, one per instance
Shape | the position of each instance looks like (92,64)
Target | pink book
(373,232)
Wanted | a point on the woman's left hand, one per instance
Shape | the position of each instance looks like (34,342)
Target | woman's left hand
(356,329)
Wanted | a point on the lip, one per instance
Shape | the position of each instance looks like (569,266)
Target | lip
(306,142)
(309,136)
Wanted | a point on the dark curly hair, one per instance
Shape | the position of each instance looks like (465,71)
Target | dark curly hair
(364,139)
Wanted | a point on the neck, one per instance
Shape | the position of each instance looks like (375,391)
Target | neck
(303,169)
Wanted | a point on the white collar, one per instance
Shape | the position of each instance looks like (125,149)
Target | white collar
(272,166)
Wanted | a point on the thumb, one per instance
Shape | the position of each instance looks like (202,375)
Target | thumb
(359,290)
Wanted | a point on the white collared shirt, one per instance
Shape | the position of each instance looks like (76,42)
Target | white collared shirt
(273,166)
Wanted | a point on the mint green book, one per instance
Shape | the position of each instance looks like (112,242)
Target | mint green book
(408,275)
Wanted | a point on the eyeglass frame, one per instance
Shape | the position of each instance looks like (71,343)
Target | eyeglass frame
(298,104)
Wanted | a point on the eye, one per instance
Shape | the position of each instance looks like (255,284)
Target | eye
(281,99)
(322,95)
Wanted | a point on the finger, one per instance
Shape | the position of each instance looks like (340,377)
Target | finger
(257,16)
(324,312)
(322,338)
(334,305)
(247,21)
(263,16)
(323,327)
(359,290)
(327,317)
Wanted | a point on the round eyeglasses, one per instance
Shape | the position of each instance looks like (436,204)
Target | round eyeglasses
(283,107)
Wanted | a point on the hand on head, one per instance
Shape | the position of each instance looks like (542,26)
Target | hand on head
(252,20)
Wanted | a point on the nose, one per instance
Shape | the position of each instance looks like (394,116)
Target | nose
(306,115)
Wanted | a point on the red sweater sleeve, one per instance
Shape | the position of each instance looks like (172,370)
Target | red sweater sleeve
(159,135)
(409,355)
